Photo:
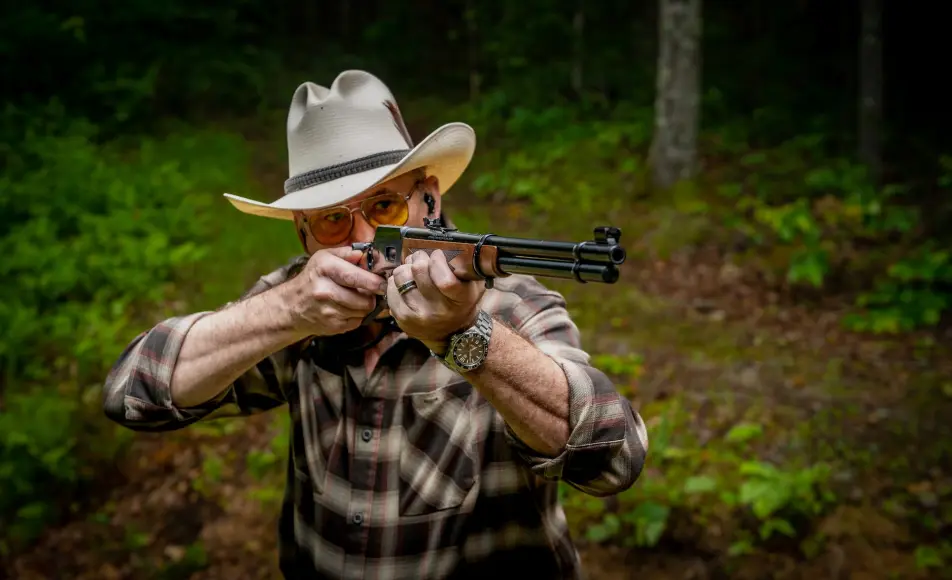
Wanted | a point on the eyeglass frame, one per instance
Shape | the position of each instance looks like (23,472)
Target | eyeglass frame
(413,189)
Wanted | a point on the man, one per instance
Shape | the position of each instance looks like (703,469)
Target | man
(402,464)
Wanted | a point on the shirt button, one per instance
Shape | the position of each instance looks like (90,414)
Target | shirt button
(367,435)
(358,518)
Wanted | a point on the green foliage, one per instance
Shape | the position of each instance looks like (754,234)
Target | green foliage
(912,293)
(933,556)
(817,213)
(558,157)
(715,482)
(119,66)
(96,233)
(38,445)
(194,559)
(271,461)
(94,237)
(743,432)
(626,370)
(769,491)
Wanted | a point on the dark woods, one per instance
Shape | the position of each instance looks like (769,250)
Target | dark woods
(135,60)
(812,139)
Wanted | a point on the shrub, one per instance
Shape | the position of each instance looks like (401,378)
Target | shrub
(92,237)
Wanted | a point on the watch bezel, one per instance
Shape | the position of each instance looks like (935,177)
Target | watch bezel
(483,349)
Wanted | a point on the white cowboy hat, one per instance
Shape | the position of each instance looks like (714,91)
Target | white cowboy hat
(351,137)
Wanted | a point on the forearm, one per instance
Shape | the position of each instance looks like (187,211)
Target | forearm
(528,388)
(223,345)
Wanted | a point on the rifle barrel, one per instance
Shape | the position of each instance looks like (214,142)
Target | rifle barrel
(588,251)
(588,272)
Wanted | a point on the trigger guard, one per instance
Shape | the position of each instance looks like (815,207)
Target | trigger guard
(380,306)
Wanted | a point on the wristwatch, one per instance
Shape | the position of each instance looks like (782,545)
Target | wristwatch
(467,349)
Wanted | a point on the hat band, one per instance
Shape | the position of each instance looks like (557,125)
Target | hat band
(325,174)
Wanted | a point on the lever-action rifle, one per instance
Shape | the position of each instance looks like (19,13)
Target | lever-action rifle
(488,256)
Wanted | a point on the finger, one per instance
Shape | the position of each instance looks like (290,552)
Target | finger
(348,317)
(415,256)
(345,253)
(401,274)
(443,279)
(420,269)
(398,307)
(346,274)
(351,300)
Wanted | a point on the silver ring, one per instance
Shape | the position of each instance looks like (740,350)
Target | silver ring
(406,287)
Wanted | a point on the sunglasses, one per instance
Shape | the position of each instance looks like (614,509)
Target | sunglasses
(333,225)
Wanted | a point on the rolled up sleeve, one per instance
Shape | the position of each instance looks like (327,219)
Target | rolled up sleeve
(137,392)
(608,441)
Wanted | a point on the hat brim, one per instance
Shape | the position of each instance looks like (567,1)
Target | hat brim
(446,152)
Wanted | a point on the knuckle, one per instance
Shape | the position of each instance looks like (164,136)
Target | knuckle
(326,313)
(444,281)
(323,289)
(319,260)
(445,284)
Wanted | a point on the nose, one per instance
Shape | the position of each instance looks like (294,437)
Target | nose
(362,231)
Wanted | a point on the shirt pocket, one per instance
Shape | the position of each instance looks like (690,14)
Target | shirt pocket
(437,463)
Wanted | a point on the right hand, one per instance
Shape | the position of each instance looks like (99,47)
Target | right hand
(332,294)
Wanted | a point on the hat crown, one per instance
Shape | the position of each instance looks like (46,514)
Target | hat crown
(356,117)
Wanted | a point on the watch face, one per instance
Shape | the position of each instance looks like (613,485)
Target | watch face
(470,350)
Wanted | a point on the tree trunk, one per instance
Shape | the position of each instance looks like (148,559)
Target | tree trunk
(472,39)
(673,155)
(871,88)
(578,60)
(345,22)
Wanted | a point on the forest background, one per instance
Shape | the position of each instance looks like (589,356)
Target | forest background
(781,173)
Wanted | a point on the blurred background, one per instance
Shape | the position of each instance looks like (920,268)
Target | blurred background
(781,172)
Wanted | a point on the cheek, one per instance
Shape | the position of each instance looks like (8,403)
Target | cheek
(307,242)
(302,236)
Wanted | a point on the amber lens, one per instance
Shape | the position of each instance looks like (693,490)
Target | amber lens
(387,209)
(332,226)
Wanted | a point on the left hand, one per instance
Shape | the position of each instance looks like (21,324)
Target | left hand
(441,303)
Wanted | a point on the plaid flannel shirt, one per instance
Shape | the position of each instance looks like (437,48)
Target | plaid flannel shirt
(410,472)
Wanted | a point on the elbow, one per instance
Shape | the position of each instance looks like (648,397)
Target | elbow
(137,391)
(627,469)
(617,472)
(129,402)
(635,452)
(118,385)
(628,462)
(121,409)
(113,404)
(610,468)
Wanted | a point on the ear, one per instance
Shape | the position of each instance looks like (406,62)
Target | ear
(302,232)
(431,185)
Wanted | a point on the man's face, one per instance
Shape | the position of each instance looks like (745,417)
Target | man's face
(333,227)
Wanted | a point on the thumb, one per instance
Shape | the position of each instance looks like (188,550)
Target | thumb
(346,253)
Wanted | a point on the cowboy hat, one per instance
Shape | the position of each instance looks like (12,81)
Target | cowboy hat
(348,138)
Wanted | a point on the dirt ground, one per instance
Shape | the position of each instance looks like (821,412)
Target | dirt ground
(185,506)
